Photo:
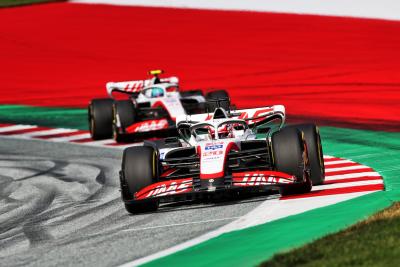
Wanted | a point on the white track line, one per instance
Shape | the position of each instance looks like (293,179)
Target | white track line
(339,161)
(351,175)
(16,128)
(48,132)
(347,168)
(178,224)
(100,142)
(70,138)
(344,185)
(271,210)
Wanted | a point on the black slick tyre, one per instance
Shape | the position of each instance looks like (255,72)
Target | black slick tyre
(123,113)
(212,96)
(139,169)
(191,93)
(100,118)
(289,156)
(315,153)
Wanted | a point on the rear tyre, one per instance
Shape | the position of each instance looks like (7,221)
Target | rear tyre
(315,154)
(211,98)
(289,154)
(124,113)
(139,169)
(100,118)
(191,93)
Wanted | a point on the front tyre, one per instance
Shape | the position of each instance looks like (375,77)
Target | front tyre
(315,154)
(220,95)
(123,116)
(139,170)
(100,118)
(290,156)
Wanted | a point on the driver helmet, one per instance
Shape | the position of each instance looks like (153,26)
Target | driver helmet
(157,92)
(226,132)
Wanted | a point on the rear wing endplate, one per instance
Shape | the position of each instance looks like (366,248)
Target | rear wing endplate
(252,116)
(132,87)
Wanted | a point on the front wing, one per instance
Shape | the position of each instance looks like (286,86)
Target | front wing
(261,180)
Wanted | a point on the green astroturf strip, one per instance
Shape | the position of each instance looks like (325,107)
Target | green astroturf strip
(11,3)
(251,246)
(42,116)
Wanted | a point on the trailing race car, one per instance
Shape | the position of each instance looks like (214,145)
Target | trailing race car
(222,152)
(152,107)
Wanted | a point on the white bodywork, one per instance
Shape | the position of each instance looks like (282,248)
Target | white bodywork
(213,147)
(166,98)
(137,85)
(251,115)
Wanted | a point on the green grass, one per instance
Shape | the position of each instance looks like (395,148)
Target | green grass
(12,3)
(372,242)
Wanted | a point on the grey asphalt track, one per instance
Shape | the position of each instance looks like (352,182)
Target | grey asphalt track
(60,206)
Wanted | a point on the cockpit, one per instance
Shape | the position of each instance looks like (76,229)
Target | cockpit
(158,91)
(227,129)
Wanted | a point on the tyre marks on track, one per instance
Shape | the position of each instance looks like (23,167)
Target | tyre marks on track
(57,135)
(73,214)
(39,195)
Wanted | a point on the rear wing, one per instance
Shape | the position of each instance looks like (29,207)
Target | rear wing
(253,116)
(132,87)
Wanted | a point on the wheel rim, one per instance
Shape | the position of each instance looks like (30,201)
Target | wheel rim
(114,123)
(115,133)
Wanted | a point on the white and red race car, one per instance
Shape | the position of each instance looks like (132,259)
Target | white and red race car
(223,151)
(151,108)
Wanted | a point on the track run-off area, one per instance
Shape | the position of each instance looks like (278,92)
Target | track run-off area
(60,201)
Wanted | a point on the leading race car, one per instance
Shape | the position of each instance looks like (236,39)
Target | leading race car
(224,151)
(152,108)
